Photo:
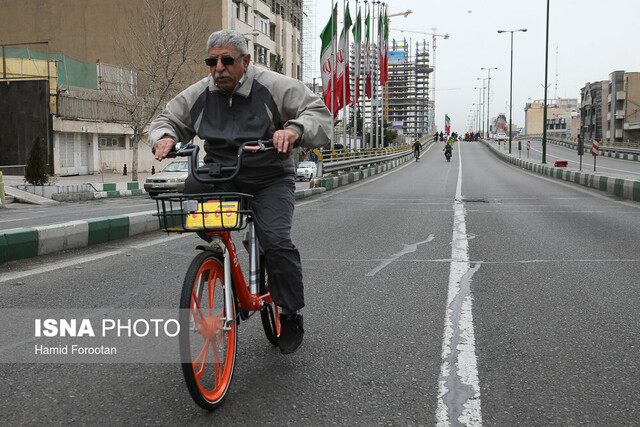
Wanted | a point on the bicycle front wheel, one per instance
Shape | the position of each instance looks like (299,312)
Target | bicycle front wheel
(207,332)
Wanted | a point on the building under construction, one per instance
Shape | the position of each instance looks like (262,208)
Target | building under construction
(406,94)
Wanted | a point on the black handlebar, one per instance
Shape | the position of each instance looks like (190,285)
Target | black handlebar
(215,173)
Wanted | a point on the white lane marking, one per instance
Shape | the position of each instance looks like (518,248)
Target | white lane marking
(44,268)
(406,250)
(458,385)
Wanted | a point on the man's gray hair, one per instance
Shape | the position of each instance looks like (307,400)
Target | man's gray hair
(228,37)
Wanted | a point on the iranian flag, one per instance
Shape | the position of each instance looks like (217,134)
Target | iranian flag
(367,58)
(383,49)
(326,66)
(357,39)
(447,124)
(343,89)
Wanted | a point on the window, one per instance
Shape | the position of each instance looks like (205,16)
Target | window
(111,142)
(264,25)
(260,55)
(236,10)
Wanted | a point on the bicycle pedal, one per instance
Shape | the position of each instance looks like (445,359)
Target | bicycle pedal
(244,314)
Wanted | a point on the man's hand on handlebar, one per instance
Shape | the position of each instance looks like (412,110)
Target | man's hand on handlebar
(284,139)
(162,147)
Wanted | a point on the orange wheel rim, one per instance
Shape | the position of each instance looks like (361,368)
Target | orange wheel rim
(210,368)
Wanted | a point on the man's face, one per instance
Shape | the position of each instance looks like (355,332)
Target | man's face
(228,76)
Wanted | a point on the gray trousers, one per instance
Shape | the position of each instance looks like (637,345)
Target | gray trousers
(272,207)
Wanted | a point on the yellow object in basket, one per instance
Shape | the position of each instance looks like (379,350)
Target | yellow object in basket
(214,214)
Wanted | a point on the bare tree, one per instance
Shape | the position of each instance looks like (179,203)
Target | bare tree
(165,39)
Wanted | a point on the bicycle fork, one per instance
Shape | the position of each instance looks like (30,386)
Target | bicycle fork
(254,272)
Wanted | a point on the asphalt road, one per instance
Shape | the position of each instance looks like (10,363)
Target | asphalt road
(17,215)
(469,291)
(605,165)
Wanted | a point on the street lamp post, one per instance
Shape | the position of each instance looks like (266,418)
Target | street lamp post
(478,107)
(433,81)
(546,69)
(524,30)
(488,95)
(484,108)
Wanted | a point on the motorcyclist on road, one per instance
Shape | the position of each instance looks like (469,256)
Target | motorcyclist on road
(448,149)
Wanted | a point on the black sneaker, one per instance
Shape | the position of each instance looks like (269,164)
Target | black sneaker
(291,332)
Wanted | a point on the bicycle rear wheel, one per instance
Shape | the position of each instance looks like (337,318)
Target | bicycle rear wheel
(207,339)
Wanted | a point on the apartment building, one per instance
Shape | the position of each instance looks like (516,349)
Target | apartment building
(534,116)
(611,109)
(84,137)
(593,101)
(407,90)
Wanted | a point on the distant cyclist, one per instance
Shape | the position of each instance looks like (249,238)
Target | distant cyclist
(417,147)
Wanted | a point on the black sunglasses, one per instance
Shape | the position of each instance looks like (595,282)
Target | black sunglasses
(212,61)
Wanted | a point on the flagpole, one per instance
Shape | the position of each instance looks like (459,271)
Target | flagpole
(381,66)
(344,75)
(363,70)
(332,78)
(361,83)
(356,72)
(374,123)
(367,76)
(379,70)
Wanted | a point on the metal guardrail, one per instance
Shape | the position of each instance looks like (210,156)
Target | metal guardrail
(330,161)
(571,143)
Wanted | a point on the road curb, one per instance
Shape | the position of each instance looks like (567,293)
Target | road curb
(351,177)
(21,243)
(626,188)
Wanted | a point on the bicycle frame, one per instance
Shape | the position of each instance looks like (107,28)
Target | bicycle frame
(248,294)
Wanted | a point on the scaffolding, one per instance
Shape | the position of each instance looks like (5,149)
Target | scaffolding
(407,90)
(308,33)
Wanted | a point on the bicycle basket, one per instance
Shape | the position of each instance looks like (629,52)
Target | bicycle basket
(203,212)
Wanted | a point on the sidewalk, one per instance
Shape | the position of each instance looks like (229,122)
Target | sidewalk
(99,178)
(85,187)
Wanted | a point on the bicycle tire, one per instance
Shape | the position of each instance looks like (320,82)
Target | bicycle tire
(210,350)
(269,313)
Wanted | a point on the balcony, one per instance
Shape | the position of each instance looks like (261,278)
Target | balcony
(620,114)
(632,125)
(621,95)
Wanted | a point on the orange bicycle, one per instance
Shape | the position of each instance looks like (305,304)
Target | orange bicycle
(215,296)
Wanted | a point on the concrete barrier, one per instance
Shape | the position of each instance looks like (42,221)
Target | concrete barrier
(350,177)
(624,187)
(22,243)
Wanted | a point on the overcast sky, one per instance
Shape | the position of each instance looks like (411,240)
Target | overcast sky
(588,39)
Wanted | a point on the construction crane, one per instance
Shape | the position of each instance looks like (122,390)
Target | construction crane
(408,12)
(435,35)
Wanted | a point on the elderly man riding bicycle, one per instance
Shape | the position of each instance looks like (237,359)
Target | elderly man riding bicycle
(240,102)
